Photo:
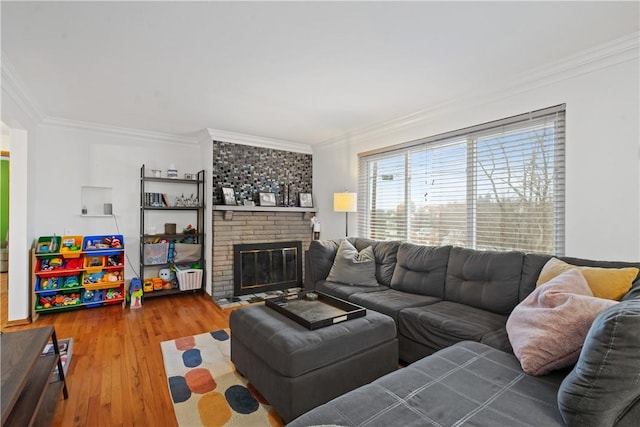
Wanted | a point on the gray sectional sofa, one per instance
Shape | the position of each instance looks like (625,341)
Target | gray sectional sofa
(450,306)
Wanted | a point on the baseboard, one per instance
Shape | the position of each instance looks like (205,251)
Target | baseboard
(18,322)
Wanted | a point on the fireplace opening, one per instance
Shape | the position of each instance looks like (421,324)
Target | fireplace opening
(263,267)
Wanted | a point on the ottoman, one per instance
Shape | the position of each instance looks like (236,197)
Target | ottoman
(297,369)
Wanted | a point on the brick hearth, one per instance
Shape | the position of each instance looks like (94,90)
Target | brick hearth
(251,227)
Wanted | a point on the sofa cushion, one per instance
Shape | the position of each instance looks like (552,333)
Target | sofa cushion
(445,323)
(385,253)
(605,383)
(466,384)
(484,279)
(391,301)
(353,267)
(319,259)
(421,269)
(533,264)
(548,328)
(610,283)
(340,290)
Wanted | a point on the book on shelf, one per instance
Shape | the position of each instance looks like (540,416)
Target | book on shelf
(65,345)
(156,200)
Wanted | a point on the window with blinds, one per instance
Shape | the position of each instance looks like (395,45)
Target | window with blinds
(496,186)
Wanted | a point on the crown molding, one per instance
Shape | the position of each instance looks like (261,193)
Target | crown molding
(623,49)
(257,141)
(14,87)
(122,132)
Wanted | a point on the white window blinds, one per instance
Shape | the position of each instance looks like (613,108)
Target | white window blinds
(497,186)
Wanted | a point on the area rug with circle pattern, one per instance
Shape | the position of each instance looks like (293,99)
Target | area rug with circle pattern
(205,388)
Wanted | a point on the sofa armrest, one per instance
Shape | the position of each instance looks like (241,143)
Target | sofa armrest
(318,261)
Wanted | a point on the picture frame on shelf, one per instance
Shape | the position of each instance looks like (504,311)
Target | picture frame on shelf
(228,196)
(267,199)
(306,200)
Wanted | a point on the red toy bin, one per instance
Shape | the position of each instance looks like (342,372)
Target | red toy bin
(117,299)
(55,265)
(103,243)
(71,246)
(114,261)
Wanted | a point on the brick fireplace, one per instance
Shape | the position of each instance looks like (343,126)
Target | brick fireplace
(250,227)
(248,171)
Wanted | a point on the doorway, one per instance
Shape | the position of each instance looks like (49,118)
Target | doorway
(5,148)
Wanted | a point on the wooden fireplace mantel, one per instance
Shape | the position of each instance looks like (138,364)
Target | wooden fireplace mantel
(307,213)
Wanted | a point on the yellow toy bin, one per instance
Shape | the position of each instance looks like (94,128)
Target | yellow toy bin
(71,246)
(93,263)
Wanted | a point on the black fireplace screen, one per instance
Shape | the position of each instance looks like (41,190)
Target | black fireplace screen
(262,267)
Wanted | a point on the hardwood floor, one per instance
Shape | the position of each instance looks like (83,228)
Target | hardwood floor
(116,376)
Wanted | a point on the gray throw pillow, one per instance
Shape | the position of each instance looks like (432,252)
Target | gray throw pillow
(605,383)
(353,267)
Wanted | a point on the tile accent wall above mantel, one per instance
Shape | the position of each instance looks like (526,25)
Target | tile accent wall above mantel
(250,170)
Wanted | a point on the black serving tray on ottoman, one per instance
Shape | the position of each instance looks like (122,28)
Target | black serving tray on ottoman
(315,310)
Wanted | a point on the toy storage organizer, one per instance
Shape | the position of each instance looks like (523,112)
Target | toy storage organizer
(78,272)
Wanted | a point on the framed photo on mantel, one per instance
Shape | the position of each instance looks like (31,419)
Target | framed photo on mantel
(228,196)
(306,200)
(267,199)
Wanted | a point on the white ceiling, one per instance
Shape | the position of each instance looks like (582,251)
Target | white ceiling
(295,71)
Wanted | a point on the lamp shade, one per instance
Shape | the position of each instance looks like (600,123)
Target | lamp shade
(345,202)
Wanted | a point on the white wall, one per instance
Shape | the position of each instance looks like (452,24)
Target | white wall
(602,155)
(22,130)
(65,159)
(50,164)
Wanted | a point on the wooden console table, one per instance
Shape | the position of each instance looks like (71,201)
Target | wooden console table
(28,394)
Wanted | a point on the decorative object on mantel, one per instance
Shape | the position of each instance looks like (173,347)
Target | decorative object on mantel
(228,196)
(156,173)
(267,199)
(345,202)
(192,176)
(306,200)
(315,226)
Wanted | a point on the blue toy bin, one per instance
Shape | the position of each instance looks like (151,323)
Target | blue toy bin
(40,281)
(61,283)
(103,243)
(93,298)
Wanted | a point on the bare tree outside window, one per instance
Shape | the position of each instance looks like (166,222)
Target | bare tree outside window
(495,189)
